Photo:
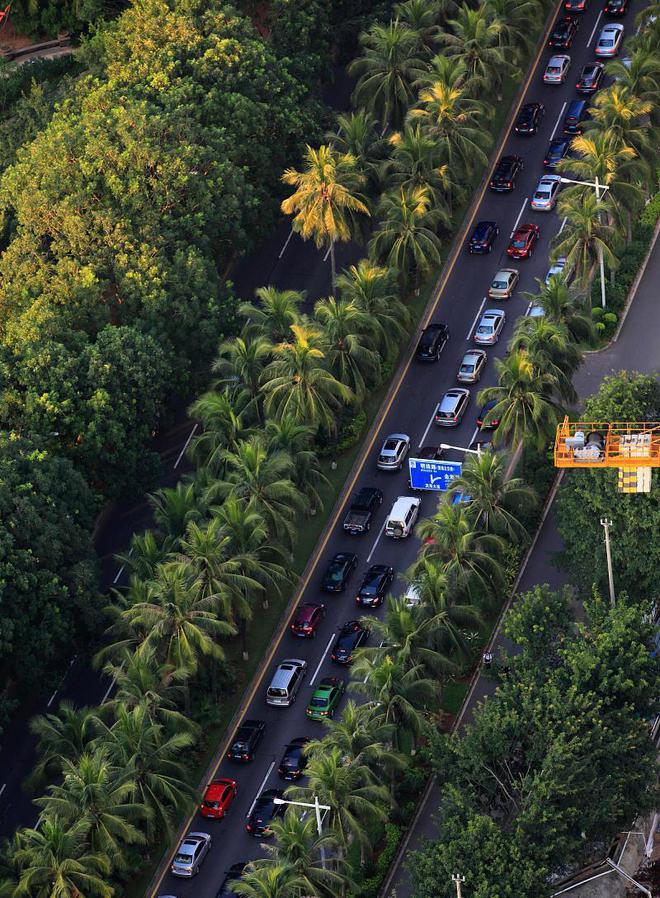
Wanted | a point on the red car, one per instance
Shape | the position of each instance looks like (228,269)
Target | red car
(307,619)
(523,241)
(218,798)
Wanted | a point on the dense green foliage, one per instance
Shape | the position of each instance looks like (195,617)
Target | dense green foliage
(55,16)
(47,573)
(557,761)
(587,496)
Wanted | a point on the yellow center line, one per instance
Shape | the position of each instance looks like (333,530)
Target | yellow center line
(318,552)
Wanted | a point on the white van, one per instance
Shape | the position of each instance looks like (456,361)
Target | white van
(401,519)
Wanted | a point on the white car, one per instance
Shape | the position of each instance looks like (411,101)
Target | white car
(490,327)
(503,284)
(546,193)
(557,69)
(556,270)
(609,40)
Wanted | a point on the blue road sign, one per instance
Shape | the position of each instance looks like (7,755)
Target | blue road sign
(426,474)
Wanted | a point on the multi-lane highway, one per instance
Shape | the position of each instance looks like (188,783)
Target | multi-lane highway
(410,410)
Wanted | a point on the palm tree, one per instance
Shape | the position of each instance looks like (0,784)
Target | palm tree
(475,38)
(325,203)
(61,737)
(639,76)
(274,313)
(467,556)
(298,385)
(352,793)
(406,236)
(513,18)
(261,480)
(585,234)
(455,122)
(601,157)
(358,136)
(405,629)
(55,861)
(349,358)
(524,403)
(551,351)
(261,881)
(496,503)
(373,289)
(360,737)
(387,71)
(100,796)
(415,164)
(449,71)
(297,440)
(422,17)
(445,618)
(178,620)
(619,113)
(221,416)
(141,679)
(244,359)
(148,550)
(301,850)
(173,508)
(561,307)
(155,761)
(402,690)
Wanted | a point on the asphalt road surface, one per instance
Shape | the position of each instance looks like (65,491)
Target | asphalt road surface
(411,412)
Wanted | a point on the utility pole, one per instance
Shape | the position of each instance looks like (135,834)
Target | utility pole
(601,262)
(606,524)
(458,881)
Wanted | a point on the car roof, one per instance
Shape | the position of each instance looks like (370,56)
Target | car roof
(491,313)
(306,610)
(481,225)
(612,26)
(403,437)
(558,59)
(552,178)
(477,353)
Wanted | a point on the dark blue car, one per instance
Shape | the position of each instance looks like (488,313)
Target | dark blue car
(483,237)
(558,148)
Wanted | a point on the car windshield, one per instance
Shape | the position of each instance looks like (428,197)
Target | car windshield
(240,746)
(183,858)
(390,446)
(606,42)
(485,329)
(541,195)
(335,570)
(520,242)
(467,367)
(499,285)
(276,691)
(553,69)
(319,702)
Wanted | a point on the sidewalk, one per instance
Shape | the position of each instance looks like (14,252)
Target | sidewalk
(638,348)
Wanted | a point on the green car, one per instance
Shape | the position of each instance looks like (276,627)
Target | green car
(325,699)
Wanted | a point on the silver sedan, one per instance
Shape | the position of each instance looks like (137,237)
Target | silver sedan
(490,327)
(190,854)
(546,193)
(472,366)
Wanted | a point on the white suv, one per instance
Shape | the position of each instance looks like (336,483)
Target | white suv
(401,519)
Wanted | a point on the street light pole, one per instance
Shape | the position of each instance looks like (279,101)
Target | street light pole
(458,881)
(606,524)
(476,451)
(601,262)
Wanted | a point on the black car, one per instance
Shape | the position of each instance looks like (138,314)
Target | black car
(483,237)
(616,7)
(505,174)
(293,760)
(351,636)
(375,584)
(432,342)
(235,872)
(557,150)
(529,119)
(432,453)
(247,737)
(563,33)
(483,414)
(338,572)
(590,78)
(263,812)
(363,507)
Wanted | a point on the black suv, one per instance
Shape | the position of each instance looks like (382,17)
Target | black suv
(375,584)
(293,760)
(529,119)
(351,636)
(563,33)
(432,342)
(247,737)
(365,504)
(590,78)
(505,174)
